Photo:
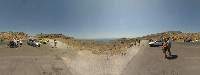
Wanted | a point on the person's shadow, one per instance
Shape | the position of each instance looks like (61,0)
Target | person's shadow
(174,56)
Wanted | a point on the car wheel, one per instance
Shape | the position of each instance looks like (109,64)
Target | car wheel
(151,45)
(34,45)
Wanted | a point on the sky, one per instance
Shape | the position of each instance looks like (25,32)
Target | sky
(100,18)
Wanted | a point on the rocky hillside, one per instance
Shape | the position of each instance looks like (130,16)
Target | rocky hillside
(112,47)
(175,35)
(11,35)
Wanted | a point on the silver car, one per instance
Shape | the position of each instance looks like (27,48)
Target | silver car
(155,43)
(33,42)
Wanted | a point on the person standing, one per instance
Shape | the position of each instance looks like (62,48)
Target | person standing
(20,42)
(166,47)
(169,42)
(55,43)
(139,42)
(14,42)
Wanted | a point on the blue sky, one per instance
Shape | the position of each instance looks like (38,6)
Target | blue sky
(99,18)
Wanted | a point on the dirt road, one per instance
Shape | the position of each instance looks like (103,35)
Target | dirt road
(28,60)
(148,61)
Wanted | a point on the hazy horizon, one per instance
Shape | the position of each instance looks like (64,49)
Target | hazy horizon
(100,18)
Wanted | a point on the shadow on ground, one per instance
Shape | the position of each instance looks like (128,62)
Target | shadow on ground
(172,57)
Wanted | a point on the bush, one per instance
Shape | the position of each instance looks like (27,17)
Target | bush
(1,41)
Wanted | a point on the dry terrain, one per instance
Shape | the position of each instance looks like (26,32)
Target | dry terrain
(66,60)
(27,60)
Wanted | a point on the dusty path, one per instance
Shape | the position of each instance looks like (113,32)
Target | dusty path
(149,62)
(86,63)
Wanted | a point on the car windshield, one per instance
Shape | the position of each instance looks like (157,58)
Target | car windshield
(30,39)
(158,41)
(35,40)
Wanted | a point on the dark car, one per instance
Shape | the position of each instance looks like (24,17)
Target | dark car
(12,44)
(188,40)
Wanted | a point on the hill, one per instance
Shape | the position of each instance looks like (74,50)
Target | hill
(11,35)
(175,35)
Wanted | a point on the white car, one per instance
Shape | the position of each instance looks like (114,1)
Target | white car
(155,43)
(33,42)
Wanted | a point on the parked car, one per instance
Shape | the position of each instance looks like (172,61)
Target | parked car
(155,43)
(187,40)
(43,41)
(12,44)
(33,42)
